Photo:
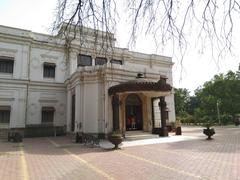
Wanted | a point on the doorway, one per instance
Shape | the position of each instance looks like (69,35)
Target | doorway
(133,113)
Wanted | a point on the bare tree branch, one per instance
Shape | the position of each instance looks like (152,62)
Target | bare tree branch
(169,21)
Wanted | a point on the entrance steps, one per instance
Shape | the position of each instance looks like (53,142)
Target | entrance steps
(139,135)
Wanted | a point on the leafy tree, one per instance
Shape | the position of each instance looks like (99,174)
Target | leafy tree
(217,98)
(221,92)
(181,99)
(193,103)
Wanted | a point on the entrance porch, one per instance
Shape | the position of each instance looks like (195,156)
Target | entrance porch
(134,109)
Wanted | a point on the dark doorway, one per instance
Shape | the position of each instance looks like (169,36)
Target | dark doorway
(133,112)
(73,113)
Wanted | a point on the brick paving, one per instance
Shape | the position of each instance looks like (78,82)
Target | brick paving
(57,158)
(10,161)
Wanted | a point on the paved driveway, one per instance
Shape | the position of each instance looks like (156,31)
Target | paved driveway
(192,157)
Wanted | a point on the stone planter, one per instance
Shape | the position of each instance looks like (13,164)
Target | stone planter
(209,133)
(115,139)
(178,131)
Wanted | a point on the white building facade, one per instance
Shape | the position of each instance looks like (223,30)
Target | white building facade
(46,88)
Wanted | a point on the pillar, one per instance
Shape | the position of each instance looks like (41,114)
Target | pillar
(162,106)
(78,123)
(115,107)
(69,108)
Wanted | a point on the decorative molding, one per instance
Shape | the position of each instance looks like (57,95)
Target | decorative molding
(45,56)
(6,99)
(47,95)
(6,75)
(8,50)
(48,100)
(5,94)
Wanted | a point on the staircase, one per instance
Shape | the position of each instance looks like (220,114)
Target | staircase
(3,134)
(138,135)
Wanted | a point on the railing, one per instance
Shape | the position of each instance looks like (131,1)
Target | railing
(87,139)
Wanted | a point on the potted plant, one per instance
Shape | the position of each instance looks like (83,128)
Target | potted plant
(209,132)
(116,138)
(178,130)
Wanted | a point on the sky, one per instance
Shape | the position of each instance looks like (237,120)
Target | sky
(198,66)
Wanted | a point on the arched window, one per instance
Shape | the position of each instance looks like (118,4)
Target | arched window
(133,99)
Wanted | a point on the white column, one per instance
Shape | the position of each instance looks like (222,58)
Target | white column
(77,107)
(82,115)
(93,60)
(69,109)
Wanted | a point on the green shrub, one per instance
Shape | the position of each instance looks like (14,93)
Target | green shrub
(226,119)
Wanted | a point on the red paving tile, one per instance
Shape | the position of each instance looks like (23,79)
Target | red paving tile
(58,158)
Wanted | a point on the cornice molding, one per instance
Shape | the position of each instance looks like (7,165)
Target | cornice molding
(31,83)
(108,75)
(6,99)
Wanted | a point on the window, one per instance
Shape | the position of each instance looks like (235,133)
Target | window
(100,61)
(5,114)
(49,70)
(115,61)
(84,60)
(47,115)
(6,64)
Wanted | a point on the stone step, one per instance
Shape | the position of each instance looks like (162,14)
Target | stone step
(139,135)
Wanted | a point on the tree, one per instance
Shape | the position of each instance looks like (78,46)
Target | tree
(193,103)
(221,93)
(217,98)
(169,21)
(181,100)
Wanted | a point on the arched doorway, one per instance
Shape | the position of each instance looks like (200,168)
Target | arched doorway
(133,113)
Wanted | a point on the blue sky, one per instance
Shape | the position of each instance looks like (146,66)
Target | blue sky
(198,67)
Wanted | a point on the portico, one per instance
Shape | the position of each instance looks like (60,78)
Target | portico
(133,106)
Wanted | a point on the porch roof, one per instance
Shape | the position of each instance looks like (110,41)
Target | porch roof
(141,85)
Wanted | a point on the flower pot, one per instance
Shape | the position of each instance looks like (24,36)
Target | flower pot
(178,131)
(209,132)
(115,140)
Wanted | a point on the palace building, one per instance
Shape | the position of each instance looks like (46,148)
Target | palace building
(49,87)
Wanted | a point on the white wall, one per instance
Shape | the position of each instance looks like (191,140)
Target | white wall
(13,87)
(14,96)
(20,54)
(95,104)
(39,56)
(91,102)
(40,98)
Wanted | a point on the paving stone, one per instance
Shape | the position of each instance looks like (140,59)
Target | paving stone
(177,157)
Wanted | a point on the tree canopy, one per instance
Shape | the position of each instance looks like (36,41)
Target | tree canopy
(218,99)
(181,100)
